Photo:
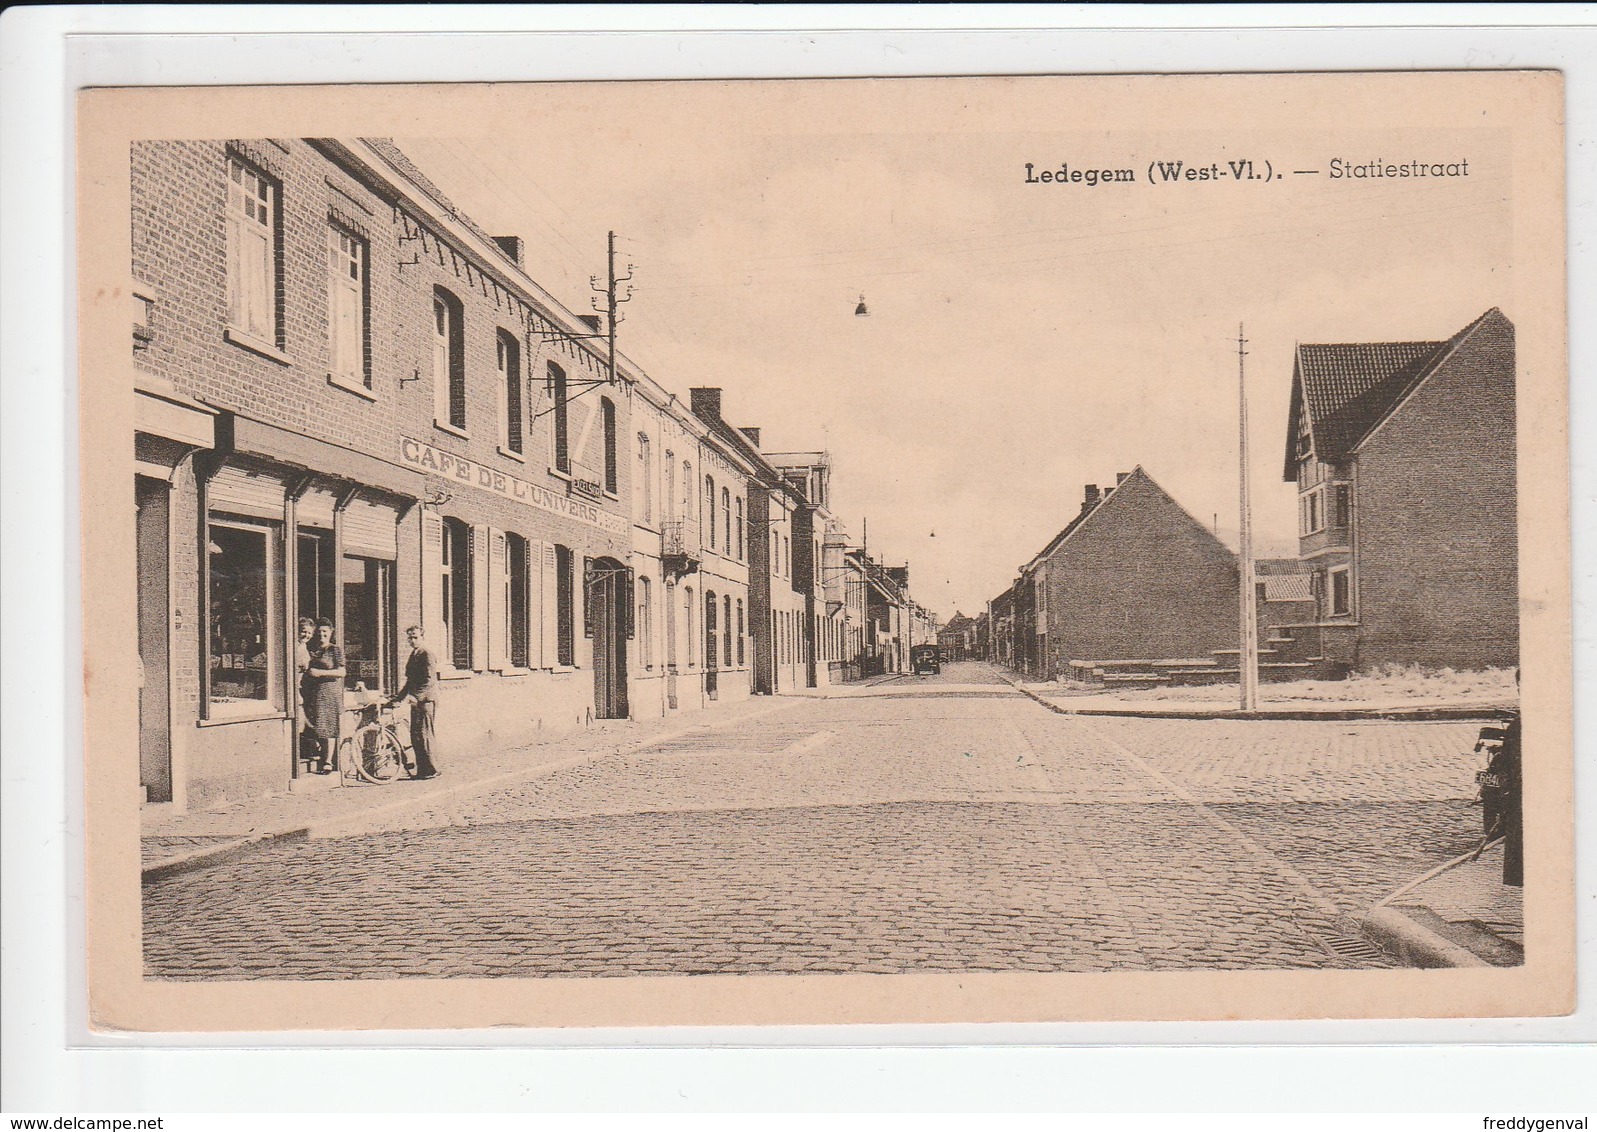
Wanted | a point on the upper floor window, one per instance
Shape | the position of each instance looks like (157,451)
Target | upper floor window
(252,267)
(1311,512)
(1342,494)
(346,308)
(607,410)
(449,360)
(739,528)
(726,519)
(709,511)
(645,488)
(509,362)
(557,394)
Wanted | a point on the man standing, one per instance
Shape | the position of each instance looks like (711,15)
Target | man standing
(421,689)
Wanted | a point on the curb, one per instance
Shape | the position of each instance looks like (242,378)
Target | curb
(238,847)
(1396,715)
(218,854)
(1413,943)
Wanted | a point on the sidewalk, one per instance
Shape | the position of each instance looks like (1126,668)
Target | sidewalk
(172,843)
(1071,702)
(1461,915)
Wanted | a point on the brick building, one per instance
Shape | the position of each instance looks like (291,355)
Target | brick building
(352,403)
(1131,577)
(1404,457)
(691,553)
(957,639)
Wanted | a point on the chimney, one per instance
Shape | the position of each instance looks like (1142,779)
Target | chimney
(1121,477)
(512,247)
(1091,500)
(591,321)
(706,402)
(753,434)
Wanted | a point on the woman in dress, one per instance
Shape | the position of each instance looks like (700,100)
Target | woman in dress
(322,687)
(302,660)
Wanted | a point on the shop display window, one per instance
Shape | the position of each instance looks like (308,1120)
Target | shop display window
(243,632)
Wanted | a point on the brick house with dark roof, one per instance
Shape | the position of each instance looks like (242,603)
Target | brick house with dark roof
(1132,577)
(1404,457)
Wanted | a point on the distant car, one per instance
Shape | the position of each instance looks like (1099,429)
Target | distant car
(925,660)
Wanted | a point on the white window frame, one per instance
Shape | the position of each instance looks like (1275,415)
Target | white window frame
(346,296)
(252,262)
(271,705)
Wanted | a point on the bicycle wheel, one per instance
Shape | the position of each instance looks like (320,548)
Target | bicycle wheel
(382,759)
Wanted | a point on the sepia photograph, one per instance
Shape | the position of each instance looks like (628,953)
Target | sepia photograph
(962,549)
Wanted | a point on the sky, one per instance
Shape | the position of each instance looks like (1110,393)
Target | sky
(1024,338)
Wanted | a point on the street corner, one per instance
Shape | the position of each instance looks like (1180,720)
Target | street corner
(1460,915)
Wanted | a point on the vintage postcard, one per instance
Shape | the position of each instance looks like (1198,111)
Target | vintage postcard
(914,550)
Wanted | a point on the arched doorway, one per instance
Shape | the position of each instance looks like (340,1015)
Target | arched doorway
(608,605)
(711,663)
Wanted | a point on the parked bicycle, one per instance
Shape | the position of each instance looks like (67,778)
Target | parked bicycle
(379,750)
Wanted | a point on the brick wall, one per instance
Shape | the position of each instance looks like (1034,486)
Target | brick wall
(1435,517)
(1140,579)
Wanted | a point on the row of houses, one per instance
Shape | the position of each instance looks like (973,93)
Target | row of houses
(351,402)
(1403,458)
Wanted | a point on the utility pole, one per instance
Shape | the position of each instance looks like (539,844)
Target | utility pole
(612,300)
(1248,654)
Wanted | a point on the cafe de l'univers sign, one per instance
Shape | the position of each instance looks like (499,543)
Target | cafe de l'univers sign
(425,457)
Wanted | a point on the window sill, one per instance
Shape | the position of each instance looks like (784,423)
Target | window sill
(445,426)
(612,496)
(559,475)
(454,674)
(247,717)
(255,345)
(560,668)
(511,454)
(350,386)
(515,672)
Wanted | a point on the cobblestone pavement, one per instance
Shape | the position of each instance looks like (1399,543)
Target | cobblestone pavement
(959,827)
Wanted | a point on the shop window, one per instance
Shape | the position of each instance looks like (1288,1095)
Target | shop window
(241,611)
(369,617)
(740,632)
(607,410)
(565,609)
(449,360)
(252,261)
(562,420)
(314,575)
(518,600)
(456,597)
(347,308)
(509,361)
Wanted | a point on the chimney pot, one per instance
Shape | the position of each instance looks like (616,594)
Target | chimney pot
(706,402)
(591,321)
(753,434)
(1121,477)
(1092,494)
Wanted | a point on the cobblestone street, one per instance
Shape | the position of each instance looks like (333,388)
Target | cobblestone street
(931,824)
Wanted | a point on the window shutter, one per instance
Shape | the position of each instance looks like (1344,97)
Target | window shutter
(549,622)
(581,594)
(477,553)
(258,282)
(235,268)
(496,593)
(432,588)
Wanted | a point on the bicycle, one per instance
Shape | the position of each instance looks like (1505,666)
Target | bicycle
(378,751)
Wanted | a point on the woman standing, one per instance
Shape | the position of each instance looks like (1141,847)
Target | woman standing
(322,687)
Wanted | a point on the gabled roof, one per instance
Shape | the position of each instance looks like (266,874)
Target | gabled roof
(1107,503)
(1348,388)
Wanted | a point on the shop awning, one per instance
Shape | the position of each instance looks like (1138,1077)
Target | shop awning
(241,435)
